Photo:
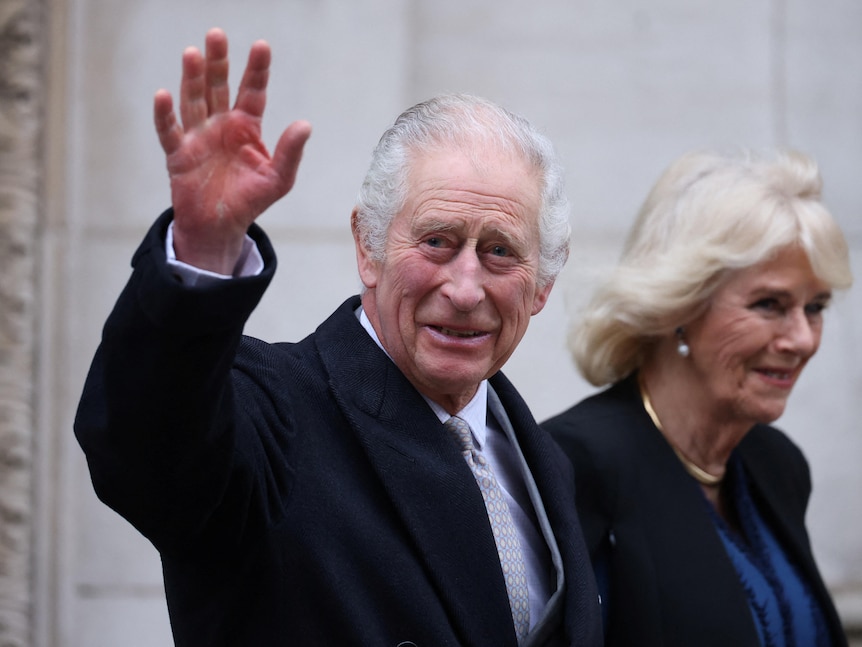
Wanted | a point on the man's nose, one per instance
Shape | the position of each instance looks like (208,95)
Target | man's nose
(464,285)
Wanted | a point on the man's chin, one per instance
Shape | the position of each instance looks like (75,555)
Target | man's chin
(452,384)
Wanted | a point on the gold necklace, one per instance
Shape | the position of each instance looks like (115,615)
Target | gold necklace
(698,473)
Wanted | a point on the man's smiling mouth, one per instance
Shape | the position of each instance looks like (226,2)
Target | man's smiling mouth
(458,333)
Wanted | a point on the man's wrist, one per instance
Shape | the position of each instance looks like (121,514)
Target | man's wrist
(250,263)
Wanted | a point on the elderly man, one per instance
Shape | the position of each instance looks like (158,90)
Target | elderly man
(380,482)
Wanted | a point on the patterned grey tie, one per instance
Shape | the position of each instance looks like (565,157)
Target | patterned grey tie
(502,525)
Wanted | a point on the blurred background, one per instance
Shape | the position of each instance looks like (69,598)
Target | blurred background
(621,86)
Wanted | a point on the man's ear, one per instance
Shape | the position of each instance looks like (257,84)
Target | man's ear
(368,267)
(541,297)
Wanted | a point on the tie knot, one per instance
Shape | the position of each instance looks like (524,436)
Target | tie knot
(460,431)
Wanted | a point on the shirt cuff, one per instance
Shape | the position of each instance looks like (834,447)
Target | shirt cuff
(250,263)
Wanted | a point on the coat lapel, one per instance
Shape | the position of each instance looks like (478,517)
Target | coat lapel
(681,538)
(770,488)
(427,480)
(576,596)
(782,495)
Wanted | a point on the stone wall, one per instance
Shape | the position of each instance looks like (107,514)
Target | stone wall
(21,83)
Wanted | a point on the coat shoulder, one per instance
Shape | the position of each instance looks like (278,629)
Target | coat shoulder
(602,424)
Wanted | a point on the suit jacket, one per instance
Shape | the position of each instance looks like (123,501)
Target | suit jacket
(670,579)
(304,494)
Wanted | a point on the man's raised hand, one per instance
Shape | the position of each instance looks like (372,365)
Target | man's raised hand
(222,176)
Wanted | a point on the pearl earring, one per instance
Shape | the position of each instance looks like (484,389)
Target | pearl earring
(681,347)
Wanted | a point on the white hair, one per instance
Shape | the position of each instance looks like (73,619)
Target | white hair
(472,123)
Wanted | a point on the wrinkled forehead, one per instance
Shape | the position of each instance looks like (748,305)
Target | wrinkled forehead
(480,157)
(471,180)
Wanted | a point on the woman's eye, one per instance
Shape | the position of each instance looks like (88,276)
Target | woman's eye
(769,304)
(815,308)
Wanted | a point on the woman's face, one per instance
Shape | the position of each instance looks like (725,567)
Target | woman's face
(758,332)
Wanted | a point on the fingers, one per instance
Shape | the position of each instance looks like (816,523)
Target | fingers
(251,96)
(193,94)
(169,131)
(218,92)
(204,87)
(288,152)
(204,91)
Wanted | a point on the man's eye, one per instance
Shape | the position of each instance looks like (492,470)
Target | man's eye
(499,250)
(434,241)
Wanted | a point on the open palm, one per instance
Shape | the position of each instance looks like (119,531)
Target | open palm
(222,176)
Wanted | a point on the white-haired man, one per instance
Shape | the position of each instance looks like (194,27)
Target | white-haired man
(380,482)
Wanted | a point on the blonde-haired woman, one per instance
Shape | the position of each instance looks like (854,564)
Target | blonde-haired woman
(692,505)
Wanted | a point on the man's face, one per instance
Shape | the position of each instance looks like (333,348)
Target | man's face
(457,287)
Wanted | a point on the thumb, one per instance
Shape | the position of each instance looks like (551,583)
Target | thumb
(288,152)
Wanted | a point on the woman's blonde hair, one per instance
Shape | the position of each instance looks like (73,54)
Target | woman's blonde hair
(707,216)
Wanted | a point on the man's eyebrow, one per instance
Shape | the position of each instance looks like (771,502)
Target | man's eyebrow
(425,225)
(509,237)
